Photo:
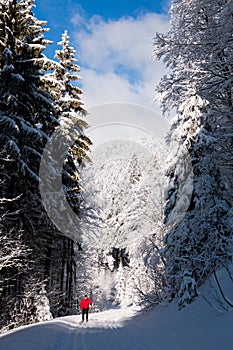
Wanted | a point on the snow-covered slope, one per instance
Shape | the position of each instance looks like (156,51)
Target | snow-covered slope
(197,327)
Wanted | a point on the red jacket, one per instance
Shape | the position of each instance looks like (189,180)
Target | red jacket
(84,303)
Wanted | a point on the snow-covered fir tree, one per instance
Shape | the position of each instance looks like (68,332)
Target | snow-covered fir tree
(199,236)
(70,107)
(71,114)
(28,117)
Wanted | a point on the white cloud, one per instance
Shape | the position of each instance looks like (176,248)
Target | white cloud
(115,58)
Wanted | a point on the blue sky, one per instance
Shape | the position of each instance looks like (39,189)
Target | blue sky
(113,40)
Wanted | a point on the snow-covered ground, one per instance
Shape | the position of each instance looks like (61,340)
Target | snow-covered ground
(197,327)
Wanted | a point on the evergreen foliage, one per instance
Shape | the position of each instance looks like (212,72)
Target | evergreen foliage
(43,273)
(43,263)
(71,113)
(199,236)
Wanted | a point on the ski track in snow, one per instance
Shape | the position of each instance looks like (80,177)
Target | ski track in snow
(65,341)
(107,330)
(129,338)
(198,326)
(75,338)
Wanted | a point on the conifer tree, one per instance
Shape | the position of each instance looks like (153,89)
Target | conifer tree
(199,233)
(71,112)
(28,117)
(71,115)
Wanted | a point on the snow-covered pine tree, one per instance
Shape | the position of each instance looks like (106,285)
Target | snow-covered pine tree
(71,114)
(218,87)
(199,240)
(27,118)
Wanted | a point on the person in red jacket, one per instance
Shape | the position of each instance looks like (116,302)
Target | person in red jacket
(84,306)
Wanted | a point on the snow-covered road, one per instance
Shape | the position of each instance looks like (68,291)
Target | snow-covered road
(105,330)
(198,326)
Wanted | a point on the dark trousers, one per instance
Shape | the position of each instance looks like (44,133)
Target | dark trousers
(85,312)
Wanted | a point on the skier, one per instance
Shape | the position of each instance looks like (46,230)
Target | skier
(84,306)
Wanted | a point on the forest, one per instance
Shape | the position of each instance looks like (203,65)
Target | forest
(63,231)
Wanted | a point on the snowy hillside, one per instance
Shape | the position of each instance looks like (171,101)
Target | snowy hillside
(198,326)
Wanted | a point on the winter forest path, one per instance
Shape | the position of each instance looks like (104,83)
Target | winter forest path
(197,326)
(105,330)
